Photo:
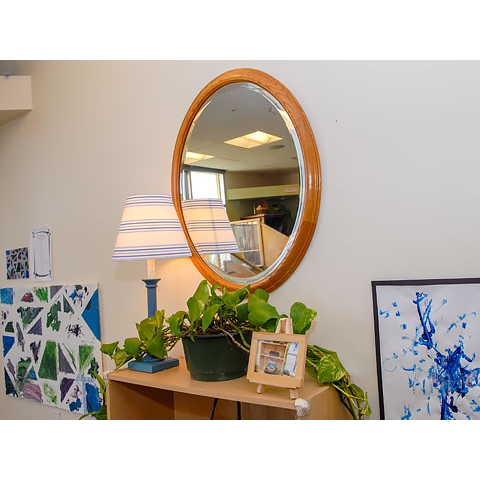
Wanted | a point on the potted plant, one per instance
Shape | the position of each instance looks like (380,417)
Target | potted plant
(216,329)
(217,322)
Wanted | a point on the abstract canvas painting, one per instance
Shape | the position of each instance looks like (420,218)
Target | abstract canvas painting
(427,336)
(51,345)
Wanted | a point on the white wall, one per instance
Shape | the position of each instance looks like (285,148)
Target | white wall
(398,143)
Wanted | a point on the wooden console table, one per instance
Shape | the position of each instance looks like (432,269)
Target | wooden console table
(173,395)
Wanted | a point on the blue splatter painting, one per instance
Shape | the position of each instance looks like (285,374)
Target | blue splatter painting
(428,340)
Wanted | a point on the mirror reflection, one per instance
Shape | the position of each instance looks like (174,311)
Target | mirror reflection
(242,150)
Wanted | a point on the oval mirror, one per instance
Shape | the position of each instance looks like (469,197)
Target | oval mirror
(246,146)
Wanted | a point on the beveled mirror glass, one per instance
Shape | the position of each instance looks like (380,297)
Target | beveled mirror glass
(271,186)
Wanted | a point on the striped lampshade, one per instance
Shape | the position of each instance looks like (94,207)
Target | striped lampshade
(208,226)
(150,230)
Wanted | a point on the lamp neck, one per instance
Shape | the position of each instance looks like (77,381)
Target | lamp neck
(151,284)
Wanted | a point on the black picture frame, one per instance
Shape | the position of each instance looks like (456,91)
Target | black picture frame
(427,339)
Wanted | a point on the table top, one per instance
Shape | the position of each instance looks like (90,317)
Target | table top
(178,379)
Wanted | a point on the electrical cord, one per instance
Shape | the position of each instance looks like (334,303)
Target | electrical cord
(212,412)
(214,406)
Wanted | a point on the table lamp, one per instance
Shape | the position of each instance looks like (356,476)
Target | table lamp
(150,230)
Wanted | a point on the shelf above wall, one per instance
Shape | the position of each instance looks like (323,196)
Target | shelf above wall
(15,97)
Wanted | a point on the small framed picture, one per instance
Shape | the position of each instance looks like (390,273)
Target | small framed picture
(277,359)
(41,247)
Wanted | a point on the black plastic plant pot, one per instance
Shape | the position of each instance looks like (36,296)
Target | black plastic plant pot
(215,358)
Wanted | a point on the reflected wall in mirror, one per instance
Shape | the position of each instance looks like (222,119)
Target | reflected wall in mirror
(247,141)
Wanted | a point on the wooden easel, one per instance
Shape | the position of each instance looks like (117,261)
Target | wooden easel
(284,326)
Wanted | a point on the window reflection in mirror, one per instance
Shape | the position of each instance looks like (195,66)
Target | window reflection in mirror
(203,183)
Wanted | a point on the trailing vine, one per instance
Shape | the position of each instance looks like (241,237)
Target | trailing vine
(325,366)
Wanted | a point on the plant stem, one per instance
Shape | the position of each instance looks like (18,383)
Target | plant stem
(238,344)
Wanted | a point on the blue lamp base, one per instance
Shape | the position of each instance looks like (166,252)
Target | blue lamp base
(151,364)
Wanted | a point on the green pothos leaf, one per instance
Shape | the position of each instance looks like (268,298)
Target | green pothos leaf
(175,322)
(260,312)
(261,294)
(232,299)
(202,293)
(209,315)
(120,357)
(132,346)
(102,413)
(108,348)
(156,346)
(102,386)
(146,328)
(302,317)
(195,309)
(329,369)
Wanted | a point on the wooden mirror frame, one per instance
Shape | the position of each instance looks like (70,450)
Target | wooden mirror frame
(310,196)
